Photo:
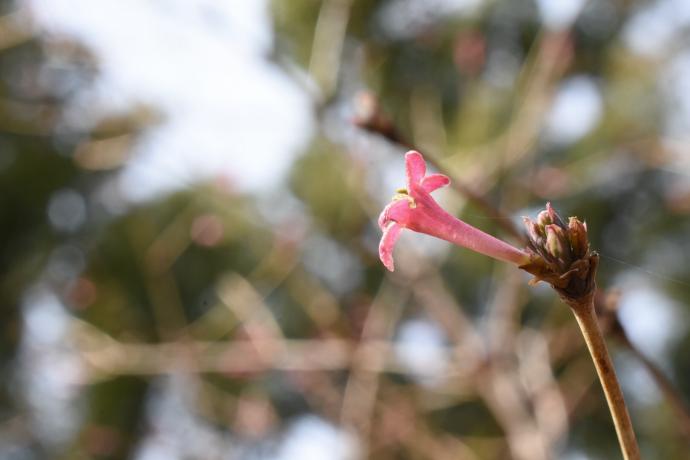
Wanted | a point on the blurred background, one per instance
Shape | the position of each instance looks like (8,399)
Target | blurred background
(188,240)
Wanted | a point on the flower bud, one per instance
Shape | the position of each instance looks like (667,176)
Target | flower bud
(553,215)
(560,254)
(534,231)
(577,232)
(557,244)
(544,219)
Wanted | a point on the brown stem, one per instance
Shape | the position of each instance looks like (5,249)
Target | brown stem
(587,320)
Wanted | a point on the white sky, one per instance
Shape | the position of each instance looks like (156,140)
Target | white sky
(652,320)
(655,26)
(311,438)
(227,110)
(421,348)
(559,14)
(577,108)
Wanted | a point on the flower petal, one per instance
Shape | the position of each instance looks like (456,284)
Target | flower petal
(390,235)
(415,168)
(396,211)
(434,182)
(385,216)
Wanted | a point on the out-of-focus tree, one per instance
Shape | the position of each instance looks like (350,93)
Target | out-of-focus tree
(214,323)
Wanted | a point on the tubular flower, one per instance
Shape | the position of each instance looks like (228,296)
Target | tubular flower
(414,208)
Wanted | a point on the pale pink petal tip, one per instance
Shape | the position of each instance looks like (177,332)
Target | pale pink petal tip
(434,182)
(390,235)
(415,167)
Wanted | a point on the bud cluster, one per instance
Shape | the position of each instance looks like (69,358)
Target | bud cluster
(556,242)
(560,252)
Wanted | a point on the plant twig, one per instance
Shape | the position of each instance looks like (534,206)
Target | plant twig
(585,314)
(561,256)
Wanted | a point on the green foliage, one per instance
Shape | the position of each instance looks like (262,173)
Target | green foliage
(328,184)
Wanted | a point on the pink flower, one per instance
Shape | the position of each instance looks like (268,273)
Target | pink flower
(415,209)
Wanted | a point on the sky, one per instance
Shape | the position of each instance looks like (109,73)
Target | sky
(227,111)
